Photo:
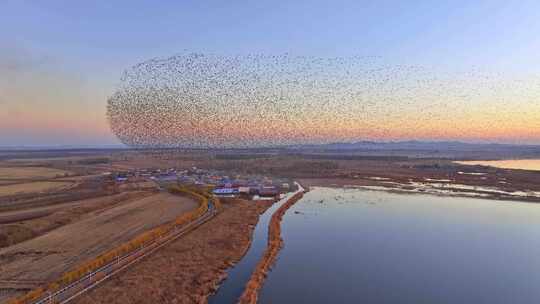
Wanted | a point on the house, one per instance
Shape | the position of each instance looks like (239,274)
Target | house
(121,177)
(225,191)
(268,191)
(243,190)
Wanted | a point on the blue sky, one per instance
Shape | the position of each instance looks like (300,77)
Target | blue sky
(77,50)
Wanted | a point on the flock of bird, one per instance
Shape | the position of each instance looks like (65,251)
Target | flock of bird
(210,101)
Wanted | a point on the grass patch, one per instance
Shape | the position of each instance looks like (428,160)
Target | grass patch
(32,187)
(30,172)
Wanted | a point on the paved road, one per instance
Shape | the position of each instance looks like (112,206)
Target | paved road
(93,279)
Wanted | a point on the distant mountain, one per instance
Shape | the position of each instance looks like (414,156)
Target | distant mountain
(60,147)
(415,145)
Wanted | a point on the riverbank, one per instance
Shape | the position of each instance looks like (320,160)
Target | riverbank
(436,177)
(275,243)
(189,269)
(342,245)
(483,186)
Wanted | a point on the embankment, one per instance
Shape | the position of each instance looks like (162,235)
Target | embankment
(189,269)
(275,243)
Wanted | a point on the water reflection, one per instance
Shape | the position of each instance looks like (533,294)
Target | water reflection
(376,247)
(525,164)
(237,277)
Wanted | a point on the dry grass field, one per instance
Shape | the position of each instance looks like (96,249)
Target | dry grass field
(189,269)
(23,224)
(30,172)
(46,257)
(33,187)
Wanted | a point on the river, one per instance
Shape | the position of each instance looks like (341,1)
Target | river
(237,276)
(525,164)
(358,246)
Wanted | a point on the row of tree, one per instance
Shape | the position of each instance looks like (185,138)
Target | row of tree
(275,243)
(202,195)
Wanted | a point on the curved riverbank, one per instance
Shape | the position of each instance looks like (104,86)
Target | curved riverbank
(342,245)
(275,243)
(233,281)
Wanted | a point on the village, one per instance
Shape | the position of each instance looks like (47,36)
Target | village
(223,184)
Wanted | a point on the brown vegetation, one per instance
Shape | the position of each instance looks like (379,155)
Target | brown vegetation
(275,243)
(21,225)
(47,257)
(77,190)
(23,172)
(139,241)
(189,269)
(33,187)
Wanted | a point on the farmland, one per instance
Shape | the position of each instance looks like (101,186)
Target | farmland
(48,256)
(56,213)
(33,187)
(30,172)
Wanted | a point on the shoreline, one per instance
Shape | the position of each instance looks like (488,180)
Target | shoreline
(233,264)
(274,245)
(444,189)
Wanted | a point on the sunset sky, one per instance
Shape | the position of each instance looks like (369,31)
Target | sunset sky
(61,60)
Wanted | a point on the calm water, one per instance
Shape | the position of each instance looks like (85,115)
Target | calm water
(376,247)
(526,164)
(237,277)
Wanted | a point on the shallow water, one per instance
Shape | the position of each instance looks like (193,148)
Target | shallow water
(525,164)
(361,246)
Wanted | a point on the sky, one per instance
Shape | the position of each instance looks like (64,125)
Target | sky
(61,60)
